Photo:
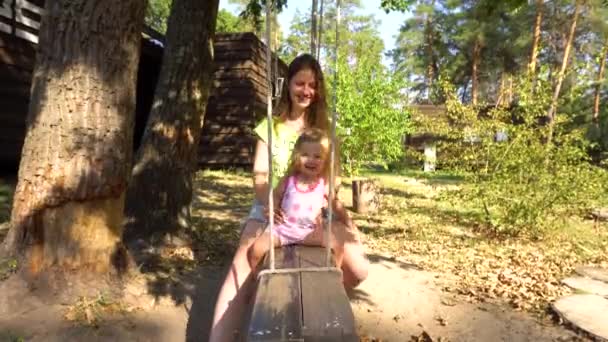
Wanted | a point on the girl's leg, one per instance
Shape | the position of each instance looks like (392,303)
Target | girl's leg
(259,248)
(232,298)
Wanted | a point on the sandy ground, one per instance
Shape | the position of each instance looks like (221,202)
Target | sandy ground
(399,301)
(396,302)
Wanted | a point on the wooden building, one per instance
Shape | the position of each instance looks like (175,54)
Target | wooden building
(237,99)
(19,23)
(426,142)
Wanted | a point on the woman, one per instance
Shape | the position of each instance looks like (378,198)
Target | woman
(303,105)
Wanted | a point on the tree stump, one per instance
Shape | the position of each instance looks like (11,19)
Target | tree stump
(366,195)
(430,156)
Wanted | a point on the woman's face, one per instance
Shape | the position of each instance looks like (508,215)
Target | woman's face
(302,88)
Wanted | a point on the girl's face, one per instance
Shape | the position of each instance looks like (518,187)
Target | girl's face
(310,159)
(302,87)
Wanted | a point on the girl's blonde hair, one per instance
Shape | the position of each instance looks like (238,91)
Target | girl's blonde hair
(311,135)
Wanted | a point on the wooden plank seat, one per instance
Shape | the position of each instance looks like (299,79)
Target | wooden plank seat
(300,305)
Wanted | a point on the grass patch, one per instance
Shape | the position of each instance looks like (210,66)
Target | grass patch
(10,336)
(7,268)
(92,311)
(222,200)
(7,188)
(417,223)
(437,177)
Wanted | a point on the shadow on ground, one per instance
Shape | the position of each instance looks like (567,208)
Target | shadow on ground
(177,289)
(192,281)
(135,328)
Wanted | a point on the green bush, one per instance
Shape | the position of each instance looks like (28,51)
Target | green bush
(373,118)
(522,184)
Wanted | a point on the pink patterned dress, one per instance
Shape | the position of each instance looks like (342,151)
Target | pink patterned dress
(301,208)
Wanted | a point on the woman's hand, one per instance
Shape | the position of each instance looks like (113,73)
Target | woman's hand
(279,215)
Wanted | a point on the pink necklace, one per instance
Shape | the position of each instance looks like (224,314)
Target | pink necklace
(310,186)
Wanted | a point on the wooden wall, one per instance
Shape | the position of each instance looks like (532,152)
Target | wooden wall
(19,23)
(425,112)
(237,101)
(15,76)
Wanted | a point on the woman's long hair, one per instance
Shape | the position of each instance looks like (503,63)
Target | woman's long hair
(317,116)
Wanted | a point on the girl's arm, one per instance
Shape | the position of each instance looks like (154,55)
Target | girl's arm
(279,191)
(277,198)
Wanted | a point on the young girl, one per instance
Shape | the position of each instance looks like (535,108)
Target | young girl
(301,194)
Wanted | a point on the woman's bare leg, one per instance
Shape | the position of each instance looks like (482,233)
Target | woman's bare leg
(232,298)
(354,264)
(348,250)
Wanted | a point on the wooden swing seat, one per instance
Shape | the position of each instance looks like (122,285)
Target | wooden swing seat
(303,305)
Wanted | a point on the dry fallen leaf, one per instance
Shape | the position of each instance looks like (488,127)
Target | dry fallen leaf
(422,337)
(441,320)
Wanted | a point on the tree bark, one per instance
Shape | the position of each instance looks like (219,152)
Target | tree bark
(430,69)
(160,193)
(320,30)
(500,98)
(475,71)
(464,91)
(510,91)
(562,72)
(598,85)
(536,40)
(68,204)
(313,28)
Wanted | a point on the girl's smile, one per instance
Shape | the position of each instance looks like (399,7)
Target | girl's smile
(311,159)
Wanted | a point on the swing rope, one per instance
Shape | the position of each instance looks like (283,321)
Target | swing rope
(269,139)
(269,97)
(320,32)
(332,158)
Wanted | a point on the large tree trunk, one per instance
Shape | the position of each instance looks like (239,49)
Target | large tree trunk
(313,28)
(510,91)
(536,40)
(500,97)
(562,72)
(598,85)
(68,205)
(320,29)
(475,71)
(160,193)
(429,37)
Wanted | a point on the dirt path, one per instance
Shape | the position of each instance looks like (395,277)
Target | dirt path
(399,301)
